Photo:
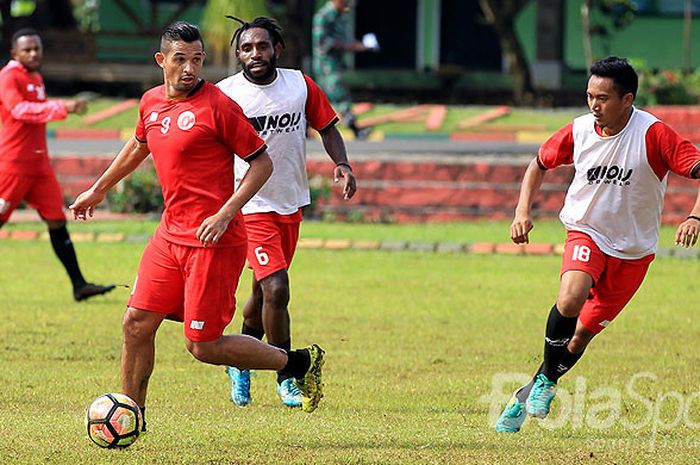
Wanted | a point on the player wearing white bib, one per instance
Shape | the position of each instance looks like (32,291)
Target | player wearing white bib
(612,214)
(279,103)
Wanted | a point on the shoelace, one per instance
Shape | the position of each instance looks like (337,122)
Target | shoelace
(292,388)
(540,389)
(243,383)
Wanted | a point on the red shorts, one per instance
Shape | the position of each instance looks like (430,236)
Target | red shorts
(614,280)
(41,193)
(195,285)
(272,241)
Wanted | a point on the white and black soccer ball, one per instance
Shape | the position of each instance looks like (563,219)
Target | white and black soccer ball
(114,420)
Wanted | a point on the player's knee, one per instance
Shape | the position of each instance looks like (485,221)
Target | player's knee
(570,302)
(276,291)
(578,343)
(202,351)
(136,325)
(55,224)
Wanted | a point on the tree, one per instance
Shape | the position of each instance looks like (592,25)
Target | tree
(501,15)
(618,14)
(218,29)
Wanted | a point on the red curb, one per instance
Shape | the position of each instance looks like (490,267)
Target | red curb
(481,247)
(25,235)
(362,107)
(484,117)
(394,116)
(436,117)
(539,249)
(4,234)
(111,111)
(483,136)
(508,248)
(87,134)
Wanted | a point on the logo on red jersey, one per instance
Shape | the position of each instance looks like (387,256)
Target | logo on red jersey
(609,175)
(186,120)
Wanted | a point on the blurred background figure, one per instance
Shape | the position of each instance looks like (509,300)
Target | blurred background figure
(330,44)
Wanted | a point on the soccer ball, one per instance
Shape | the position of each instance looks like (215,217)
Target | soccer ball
(113,420)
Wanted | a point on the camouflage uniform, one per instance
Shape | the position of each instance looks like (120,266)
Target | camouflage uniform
(328,35)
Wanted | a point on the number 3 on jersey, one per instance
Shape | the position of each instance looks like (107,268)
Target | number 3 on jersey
(581,253)
(263,258)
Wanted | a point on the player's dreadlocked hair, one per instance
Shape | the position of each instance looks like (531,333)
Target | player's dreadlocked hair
(262,22)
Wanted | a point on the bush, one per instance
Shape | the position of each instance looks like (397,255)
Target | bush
(138,193)
(320,189)
(666,87)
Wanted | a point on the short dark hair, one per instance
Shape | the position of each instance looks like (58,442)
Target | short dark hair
(624,77)
(262,22)
(179,31)
(27,31)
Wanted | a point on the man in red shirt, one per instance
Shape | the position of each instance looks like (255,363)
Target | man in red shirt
(25,171)
(280,102)
(190,269)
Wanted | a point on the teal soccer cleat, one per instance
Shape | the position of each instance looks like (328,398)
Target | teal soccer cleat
(513,416)
(240,386)
(289,393)
(540,398)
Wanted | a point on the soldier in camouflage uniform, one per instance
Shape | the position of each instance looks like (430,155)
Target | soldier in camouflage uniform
(330,43)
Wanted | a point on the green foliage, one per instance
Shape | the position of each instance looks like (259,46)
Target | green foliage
(320,189)
(138,193)
(666,86)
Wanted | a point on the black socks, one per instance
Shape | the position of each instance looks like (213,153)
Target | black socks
(560,330)
(298,363)
(250,331)
(286,346)
(63,247)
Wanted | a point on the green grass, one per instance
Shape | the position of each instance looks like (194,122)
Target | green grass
(414,342)
(124,120)
(552,120)
(546,230)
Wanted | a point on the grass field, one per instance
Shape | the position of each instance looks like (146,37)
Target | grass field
(550,119)
(415,345)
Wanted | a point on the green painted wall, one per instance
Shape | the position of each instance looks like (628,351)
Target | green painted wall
(124,48)
(656,39)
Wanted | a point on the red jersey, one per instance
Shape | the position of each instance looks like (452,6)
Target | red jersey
(193,141)
(24,112)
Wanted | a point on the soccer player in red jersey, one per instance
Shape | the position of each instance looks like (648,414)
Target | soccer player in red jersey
(190,269)
(612,213)
(279,102)
(25,171)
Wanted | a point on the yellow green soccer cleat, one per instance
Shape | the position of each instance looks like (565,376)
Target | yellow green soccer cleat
(311,385)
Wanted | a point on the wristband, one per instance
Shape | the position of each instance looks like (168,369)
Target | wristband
(693,217)
(342,163)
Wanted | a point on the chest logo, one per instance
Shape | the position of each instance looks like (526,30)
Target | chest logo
(186,120)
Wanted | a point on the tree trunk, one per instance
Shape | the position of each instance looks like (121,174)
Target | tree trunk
(501,15)
(586,32)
